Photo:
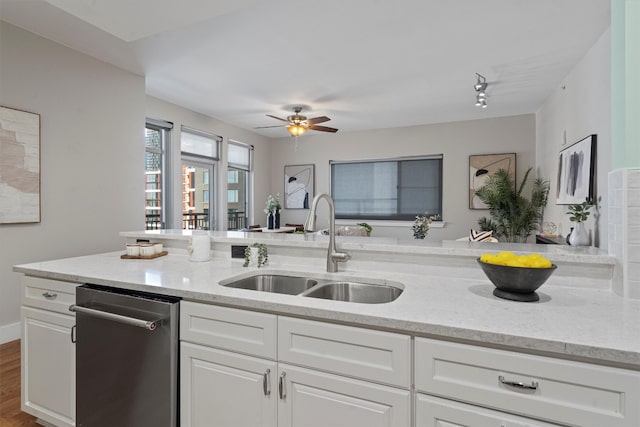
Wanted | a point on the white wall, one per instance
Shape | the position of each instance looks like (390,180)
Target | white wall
(580,106)
(456,141)
(92,146)
(179,116)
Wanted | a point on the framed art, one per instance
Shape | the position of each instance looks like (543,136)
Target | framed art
(576,171)
(19,166)
(481,167)
(298,186)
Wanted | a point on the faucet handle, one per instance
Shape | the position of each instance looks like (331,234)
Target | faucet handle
(340,256)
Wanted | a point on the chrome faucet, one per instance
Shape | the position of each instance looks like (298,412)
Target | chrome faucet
(333,256)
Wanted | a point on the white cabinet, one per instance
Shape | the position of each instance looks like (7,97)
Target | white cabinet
(317,399)
(320,374)
(220,388)
(48,353)
(434,412)
(557,391)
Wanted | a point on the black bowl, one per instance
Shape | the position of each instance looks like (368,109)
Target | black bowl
(516,283)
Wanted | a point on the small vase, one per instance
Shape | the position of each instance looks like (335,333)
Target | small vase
(569,236)
(579,236)
(276,222)
(270,221)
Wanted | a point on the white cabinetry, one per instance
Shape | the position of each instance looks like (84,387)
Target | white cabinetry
(553,390)
(318,374)
(48,354)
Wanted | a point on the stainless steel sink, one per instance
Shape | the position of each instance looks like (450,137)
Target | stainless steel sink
(355,292)
(365,291)
(279,284)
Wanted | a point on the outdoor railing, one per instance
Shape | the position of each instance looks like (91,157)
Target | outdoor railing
(197,221)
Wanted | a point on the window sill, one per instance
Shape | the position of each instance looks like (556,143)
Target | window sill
(379,223)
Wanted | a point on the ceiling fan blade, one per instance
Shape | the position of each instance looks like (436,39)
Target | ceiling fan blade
(323,128)
(266,127)
(277,118)
(315,120)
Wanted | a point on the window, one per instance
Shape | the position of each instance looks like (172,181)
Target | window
(156,141)
(238,179)
(393,189)
(199,152)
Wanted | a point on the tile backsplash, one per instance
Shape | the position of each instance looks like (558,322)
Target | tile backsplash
(624,230)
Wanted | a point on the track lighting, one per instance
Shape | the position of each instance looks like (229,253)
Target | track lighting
(480,87)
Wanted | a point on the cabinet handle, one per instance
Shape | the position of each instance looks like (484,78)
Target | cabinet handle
(281,390)
(518,384)
(73,334)
(49,295)
(266,382)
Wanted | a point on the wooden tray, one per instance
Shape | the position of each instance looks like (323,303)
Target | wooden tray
(163,253)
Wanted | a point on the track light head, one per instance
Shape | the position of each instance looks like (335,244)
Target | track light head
(480,87)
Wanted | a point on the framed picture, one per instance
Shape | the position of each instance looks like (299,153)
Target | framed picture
(298,186)
(19,166)
(576,171)
(481,167)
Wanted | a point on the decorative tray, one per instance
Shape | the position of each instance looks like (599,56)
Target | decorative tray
(125,256)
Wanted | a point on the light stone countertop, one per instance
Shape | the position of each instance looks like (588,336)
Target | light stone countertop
(584,324)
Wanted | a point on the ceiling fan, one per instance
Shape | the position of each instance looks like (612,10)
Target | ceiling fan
(298,124)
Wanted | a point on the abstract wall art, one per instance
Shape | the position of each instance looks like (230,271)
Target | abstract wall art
(298,186)
(19,166)
(576,171)
(481,167)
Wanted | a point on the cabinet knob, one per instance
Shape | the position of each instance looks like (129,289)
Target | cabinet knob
(49,295)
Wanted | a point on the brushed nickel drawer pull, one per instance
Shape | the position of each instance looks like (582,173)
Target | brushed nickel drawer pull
(518,384)
(266,382)
(50,295)
(281,385)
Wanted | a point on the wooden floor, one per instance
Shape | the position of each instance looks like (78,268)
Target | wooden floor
(10,413)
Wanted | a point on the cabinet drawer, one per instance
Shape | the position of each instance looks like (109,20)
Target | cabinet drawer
(372,355)
(432,411)
(228,328)
(566,392)
(53,295)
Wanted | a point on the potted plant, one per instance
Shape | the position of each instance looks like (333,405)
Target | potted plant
(256,254)
(272,209)
(421,225)
(579,213)
(513,216)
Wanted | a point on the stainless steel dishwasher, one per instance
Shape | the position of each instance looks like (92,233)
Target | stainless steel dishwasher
(126,358)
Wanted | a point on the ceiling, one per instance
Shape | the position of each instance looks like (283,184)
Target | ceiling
(367,64)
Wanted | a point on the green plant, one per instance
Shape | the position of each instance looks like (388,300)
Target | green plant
(421,225)
(366,227)
(513,216)
(263,254)
(580,211)
(273,204)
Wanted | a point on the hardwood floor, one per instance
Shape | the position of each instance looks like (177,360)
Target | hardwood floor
(10,413)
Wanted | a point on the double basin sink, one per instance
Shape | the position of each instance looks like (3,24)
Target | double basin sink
(366,292)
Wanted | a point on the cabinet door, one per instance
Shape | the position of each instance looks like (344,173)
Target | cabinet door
(315,399)
(220,388)
(48,366)
(434,412)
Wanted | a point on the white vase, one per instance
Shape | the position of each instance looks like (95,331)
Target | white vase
(579,236)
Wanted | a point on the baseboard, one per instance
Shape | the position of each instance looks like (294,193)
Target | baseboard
(9,332)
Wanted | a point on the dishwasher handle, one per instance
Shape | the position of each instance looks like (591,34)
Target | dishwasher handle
(149,325)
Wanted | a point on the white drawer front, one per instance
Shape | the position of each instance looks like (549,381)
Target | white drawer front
(372,355)
(48,294)
(556,390)
(434,412)
(228,328)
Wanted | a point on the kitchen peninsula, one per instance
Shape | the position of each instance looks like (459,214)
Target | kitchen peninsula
(573,358)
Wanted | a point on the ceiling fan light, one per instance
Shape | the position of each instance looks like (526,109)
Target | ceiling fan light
(296,130)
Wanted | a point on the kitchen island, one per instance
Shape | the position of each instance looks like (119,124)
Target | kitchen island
(446,300)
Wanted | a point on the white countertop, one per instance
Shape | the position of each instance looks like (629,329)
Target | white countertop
(574,323)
